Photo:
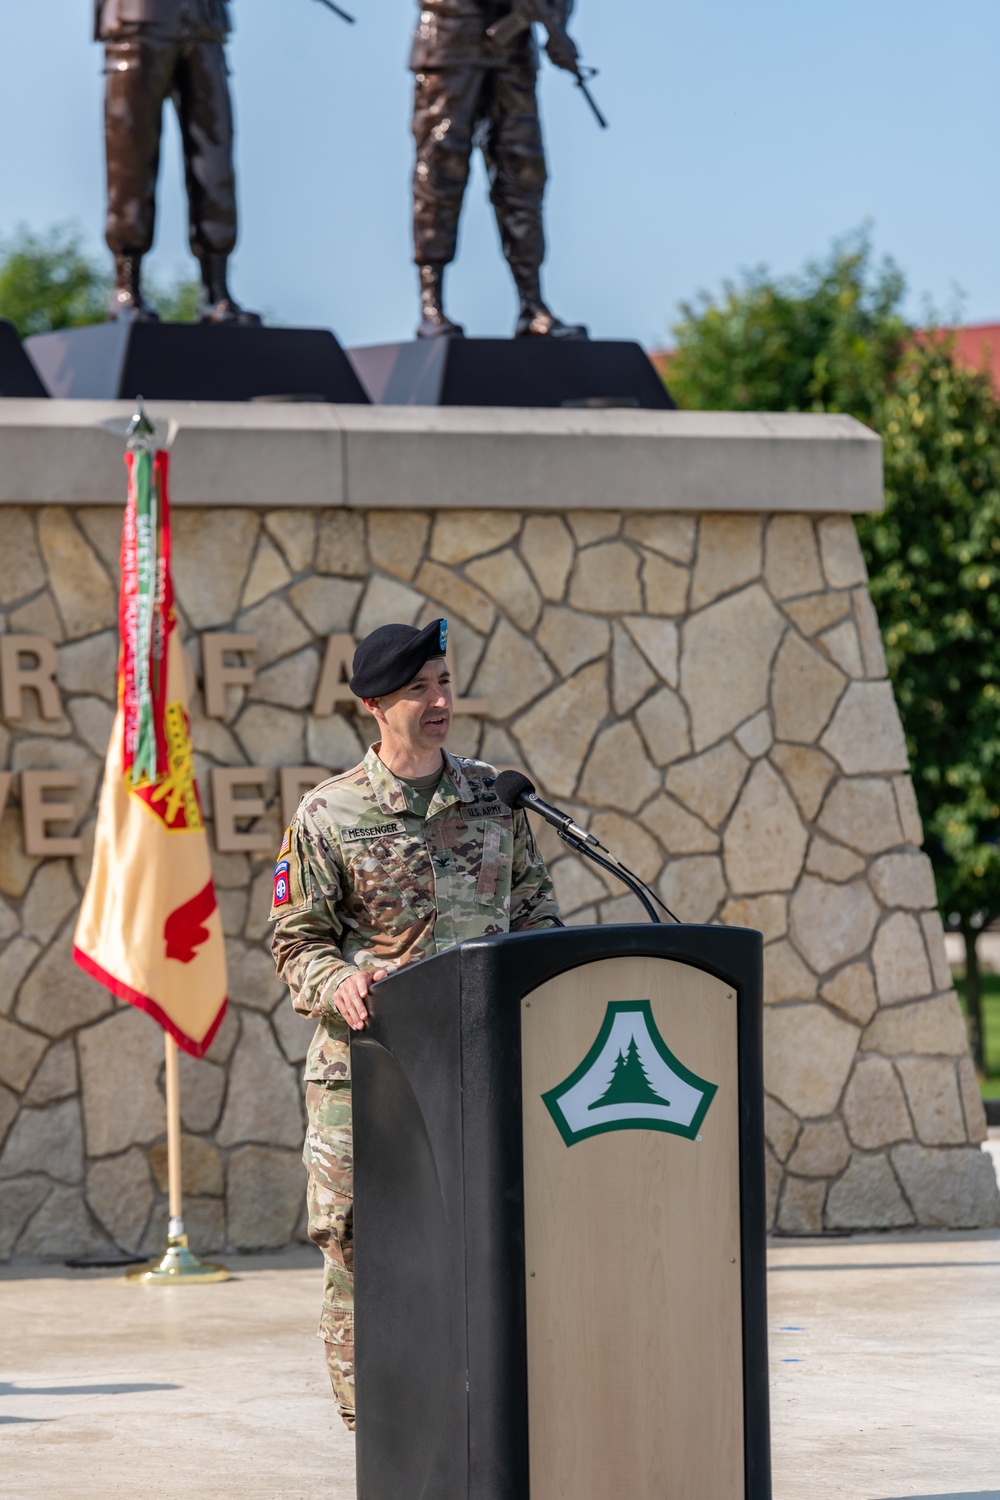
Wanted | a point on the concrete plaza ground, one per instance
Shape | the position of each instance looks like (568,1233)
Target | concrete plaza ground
(885,1357)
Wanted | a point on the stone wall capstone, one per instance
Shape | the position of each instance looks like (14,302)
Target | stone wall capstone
(708,693)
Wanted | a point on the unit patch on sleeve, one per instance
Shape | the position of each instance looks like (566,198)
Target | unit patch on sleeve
(282,885)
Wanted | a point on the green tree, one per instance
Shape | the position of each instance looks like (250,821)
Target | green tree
(629,1084)
(828,339)
(934,561)
(177,303)
(834,339)
(49,281)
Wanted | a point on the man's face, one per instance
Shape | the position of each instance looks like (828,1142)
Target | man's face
(418,715)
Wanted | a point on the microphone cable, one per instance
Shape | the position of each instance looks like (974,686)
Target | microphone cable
(647,887)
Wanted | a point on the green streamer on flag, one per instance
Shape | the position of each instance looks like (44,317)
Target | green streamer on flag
(144,609)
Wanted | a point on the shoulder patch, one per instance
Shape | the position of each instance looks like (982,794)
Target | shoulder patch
(282,886)
(289,891)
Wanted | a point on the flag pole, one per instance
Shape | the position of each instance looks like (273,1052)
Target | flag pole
(130,947)
(175,1225)
(178,1265)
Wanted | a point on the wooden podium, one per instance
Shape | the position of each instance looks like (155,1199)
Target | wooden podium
(559,1221)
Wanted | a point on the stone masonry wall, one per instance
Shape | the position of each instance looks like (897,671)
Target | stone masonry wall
(709,695)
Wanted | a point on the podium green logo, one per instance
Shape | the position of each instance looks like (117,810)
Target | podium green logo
(629,1080)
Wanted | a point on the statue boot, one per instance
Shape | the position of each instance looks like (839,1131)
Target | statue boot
(435,323)
(217,304)
(535,320)
(127,302)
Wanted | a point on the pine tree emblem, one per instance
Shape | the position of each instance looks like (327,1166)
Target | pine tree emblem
(629,1084)
(629,1080)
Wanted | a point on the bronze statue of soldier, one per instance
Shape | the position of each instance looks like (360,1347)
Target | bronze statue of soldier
(473,88)
(157,50)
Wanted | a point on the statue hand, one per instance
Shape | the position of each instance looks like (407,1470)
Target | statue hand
(561,50)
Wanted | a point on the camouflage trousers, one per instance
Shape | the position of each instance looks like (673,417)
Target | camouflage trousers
(328,1155)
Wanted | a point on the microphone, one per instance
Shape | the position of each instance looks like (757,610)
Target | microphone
(515,790)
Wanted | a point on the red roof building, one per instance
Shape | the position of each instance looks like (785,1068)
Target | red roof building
(977,345)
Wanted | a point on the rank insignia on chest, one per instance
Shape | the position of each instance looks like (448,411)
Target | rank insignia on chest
(282,889)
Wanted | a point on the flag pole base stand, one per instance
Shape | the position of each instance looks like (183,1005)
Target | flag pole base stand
(178,1267)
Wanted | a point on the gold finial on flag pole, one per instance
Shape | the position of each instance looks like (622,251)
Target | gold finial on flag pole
(178,1264)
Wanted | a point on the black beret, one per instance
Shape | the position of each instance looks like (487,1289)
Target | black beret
(391,656)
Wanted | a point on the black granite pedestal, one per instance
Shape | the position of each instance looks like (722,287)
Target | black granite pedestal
(18,376)
(196,362)
(511,372)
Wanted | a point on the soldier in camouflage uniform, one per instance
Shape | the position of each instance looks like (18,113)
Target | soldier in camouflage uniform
(408,854)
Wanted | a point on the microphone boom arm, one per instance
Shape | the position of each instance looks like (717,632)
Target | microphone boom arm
(632,881)
(514,790)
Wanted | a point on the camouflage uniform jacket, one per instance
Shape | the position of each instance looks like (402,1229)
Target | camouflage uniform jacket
(370,875)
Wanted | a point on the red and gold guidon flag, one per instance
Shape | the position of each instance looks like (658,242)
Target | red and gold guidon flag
(149,926)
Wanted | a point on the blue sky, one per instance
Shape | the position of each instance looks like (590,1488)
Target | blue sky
(740,134)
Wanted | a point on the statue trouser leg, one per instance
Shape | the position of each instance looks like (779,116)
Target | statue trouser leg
(138,76)
(205,114)
(515,161)
(445,107)
(328,1155)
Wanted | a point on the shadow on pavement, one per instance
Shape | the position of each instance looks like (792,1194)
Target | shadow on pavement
(951,1495)
(118,1388)
(295,1257)
(900,1265)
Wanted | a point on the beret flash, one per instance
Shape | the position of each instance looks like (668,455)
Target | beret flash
(391,656)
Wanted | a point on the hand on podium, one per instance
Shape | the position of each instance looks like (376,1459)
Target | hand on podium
(349,997)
